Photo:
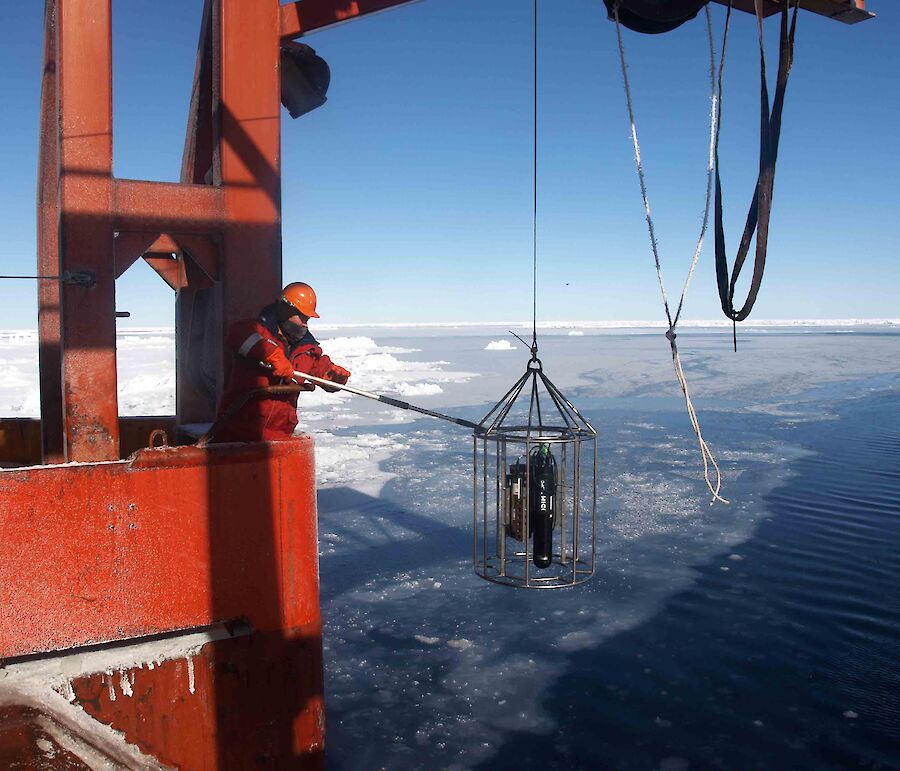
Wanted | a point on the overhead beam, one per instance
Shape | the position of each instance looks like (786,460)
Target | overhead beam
(167,206)
(304,16)
(847,11)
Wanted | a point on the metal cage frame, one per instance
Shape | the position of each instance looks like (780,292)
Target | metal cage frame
(563,428)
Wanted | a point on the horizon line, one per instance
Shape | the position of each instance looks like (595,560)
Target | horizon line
(595,324)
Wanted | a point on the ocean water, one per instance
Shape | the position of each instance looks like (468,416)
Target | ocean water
(764,634)
(782,653)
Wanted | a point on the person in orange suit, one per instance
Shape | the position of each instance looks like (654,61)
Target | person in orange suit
(268,350)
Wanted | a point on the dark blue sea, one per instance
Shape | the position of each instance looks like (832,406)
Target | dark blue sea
(761,635)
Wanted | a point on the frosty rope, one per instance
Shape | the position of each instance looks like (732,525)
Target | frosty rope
(709,461)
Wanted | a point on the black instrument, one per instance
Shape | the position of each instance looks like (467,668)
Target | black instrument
(542,504)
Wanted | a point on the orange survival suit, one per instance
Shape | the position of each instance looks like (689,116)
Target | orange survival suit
(260,351)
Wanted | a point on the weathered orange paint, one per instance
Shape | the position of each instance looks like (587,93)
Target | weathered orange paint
(20,441)
(250,155)
(85,230)
(20,438)
(49,322)
(128,248)
(305,16)
(848,11)
(256,703)
(171,539)
(170,269)
(26,742)
(166,207)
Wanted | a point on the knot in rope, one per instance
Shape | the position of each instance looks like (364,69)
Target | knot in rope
(709,461)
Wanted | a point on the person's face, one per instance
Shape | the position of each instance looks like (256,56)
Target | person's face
(294,327)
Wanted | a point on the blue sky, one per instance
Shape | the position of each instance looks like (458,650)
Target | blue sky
(407,197)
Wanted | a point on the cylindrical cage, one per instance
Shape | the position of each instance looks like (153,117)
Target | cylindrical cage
(535,481)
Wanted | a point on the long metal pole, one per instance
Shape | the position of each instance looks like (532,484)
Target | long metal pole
(388,400)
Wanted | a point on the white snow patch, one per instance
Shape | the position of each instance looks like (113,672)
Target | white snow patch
(500,345)
(125,683)
(419,389)
(354,461)
(190,669)
(356,347)
(57,671)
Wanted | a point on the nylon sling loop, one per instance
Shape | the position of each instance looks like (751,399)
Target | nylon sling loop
(761,206)
(711,473)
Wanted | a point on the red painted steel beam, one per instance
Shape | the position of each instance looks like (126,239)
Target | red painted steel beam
(199,347)
(169,269)
(847,11)
(173,539)
(85,230)
(274,713)
(198,157)
(49,321)
(305,16)
(250,155)
(129,247)
(202,252)
(167,207)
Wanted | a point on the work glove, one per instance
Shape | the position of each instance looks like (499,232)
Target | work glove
(282,368)
(336,375)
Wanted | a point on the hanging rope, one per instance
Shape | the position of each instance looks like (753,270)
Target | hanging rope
(710,467)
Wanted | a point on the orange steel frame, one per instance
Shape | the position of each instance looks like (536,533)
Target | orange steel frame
(101,549)
(847,11)
(223,219)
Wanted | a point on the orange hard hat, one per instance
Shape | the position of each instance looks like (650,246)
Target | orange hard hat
(302,297)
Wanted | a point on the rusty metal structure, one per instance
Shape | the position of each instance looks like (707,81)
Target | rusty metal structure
(115,542)
(108,544)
